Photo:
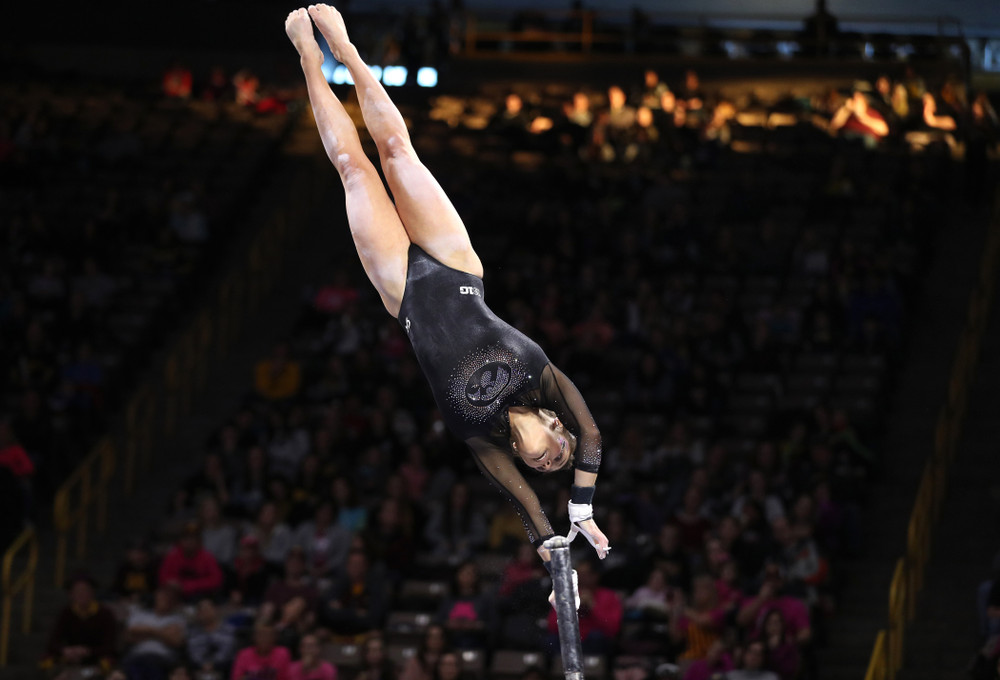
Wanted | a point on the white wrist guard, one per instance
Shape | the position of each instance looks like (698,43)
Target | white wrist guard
(579,512)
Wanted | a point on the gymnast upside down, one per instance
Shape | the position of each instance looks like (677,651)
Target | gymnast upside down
(495,387)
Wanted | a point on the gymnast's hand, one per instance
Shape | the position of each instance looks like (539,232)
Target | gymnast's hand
(593,534)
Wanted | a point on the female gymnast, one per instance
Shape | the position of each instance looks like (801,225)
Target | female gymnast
(495,387)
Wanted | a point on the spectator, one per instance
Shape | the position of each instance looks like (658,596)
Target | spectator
(12,454)
(310,666)
(522,571)
(250,486)
(274,538)
(84,634)
(324,541)
(210,480)
(771,597)
(456,529)
(752,667)
(468,614)
(190,567)
(137,576)
(757,491)
(264,660)
(691,520)
(292,601)
(295,583)
(249,575)
(717,662)
(211,643)
(351,514)
(449,667)
(217,535)
(154,637)
(513,122)
(217,85)
(506,529)
(421,666)
(652,600)
(391,545)
(289,445)
(781,652)
(356,602)
(600,613)
(668,555)
(375,664)
(246,85)
(700,625)
(177,82)
(855,118)
(278,378)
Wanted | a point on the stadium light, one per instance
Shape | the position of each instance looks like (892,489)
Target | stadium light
(394,76)
(341,76)
(427,77)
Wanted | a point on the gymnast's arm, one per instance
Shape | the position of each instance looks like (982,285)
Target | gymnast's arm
(498,465)
(560,394)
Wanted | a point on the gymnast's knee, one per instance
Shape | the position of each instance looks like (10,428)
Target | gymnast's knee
(348,166)
(397,149)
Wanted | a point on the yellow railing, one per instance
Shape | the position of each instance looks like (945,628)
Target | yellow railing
(12,586)
(908,577)
(85,489)
(878,666)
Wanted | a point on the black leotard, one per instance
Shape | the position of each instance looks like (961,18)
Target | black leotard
(478,367)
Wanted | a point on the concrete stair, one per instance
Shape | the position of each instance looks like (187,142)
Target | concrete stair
(920,390)
(944,636)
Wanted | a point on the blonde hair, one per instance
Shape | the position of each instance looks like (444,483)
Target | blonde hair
(517,437)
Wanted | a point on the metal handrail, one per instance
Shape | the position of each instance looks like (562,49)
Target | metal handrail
(88,486)
(12,587)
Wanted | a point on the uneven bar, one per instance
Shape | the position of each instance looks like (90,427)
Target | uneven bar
(569,625)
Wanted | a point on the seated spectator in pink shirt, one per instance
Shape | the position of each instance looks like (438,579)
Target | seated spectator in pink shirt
(794,611)
(781,653)
(191,567)
(12,454)
(264,660)
(311,666)
(523,569)
(600,612)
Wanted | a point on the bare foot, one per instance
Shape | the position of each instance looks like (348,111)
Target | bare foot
(331,25)
(300,31)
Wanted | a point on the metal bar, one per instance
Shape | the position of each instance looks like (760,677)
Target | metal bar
(570,644)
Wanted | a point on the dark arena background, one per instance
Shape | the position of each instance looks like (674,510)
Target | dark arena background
(761,237)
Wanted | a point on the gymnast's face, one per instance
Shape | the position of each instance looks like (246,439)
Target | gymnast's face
(543,443)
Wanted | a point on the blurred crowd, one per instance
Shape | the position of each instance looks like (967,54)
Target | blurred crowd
(243,89)
(890,113)
(112,204)
(729,286)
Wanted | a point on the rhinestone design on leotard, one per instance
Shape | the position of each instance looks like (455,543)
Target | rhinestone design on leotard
(481,383)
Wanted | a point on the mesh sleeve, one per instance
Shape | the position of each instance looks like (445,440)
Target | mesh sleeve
(560,394)
(500,468)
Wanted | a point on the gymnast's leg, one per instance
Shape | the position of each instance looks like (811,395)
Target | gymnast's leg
(426,212)
(378,234)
